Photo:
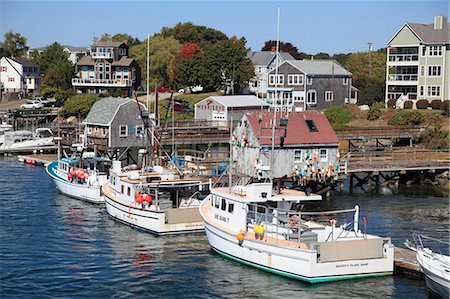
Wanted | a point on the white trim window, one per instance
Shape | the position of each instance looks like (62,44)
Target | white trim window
(139,130)
(345,81)
(123,131)
(323,155)
(421,91)
(434,71)
(434,90)
(299,98)
(278,82)
(309,80)
(328,96)
(89,130)
(424,51)
(103,131)
(295,79)
(435,50)
(298,156)
(311,97)
(422,71)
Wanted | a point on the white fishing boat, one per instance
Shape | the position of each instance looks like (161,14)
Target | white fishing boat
(42,138)
(4,127)
(80,179)
(154,199)
(434,263)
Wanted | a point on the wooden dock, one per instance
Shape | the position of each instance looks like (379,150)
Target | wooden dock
(38,160)
(405,263)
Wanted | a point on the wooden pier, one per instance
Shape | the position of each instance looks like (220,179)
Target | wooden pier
(405,263)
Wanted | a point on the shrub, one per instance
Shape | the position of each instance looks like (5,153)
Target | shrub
(391,103)
(408,105)
(402,118)
(445,108)
(78,105)
(422,104)
(436,104)
(56,92)
(434,138)
(378,105)
(338,116)
(374,113)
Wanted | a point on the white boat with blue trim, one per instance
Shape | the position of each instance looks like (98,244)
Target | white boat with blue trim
(82,180)
(154,199)
(253,225)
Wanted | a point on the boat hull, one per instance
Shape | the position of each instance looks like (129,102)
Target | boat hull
(293,262)
(80,191)
(153,222)
(438,284)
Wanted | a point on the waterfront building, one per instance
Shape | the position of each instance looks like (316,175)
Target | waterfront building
(74,52)
(418,63)
(107,68)
(223,108)
(299,85)
(18,75)
(264,61)
(304,143)
(114,125)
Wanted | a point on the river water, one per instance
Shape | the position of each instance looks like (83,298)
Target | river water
(55,246)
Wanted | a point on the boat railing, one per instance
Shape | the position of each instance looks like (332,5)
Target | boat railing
(288,224)
(435,245)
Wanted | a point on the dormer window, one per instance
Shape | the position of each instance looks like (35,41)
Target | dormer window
(311,126)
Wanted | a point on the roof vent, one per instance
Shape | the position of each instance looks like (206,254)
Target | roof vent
(283,122)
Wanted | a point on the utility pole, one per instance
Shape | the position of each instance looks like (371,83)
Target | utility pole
(370,58)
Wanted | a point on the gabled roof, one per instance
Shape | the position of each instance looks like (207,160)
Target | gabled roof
(108,44)
(238,101)
(76,49)
(428,34)
(266,57)
(104,110)
(319,67)
(123,61)
(86,60)
(297,130)
(23,62)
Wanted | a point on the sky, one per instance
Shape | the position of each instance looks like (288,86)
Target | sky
(332,26)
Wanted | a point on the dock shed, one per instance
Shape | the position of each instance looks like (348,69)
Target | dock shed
(223,108)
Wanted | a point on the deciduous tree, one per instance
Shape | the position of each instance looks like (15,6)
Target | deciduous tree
(14,44)
(284,47)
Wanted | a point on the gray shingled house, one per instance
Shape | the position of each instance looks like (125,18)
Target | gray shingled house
(264,61)
(310,84)
(114,125)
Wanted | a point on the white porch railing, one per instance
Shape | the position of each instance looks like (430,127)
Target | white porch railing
(104,55)
(397,95)
(403,57)
(102,82)
(402,77)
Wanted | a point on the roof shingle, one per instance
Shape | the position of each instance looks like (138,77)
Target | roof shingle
(428,34)
(266,57)
(103,111)
(320,67)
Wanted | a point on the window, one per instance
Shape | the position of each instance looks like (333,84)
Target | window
(311,97)
(217,202)
(139,130)
(345,81)
(104,131)
(434,70)
(223,206)
(123,131)
(128,191)
(298,158)
(295,79)
(328,96)
(3,69)
(273,81)
(230,207)
(421,91)
(123,189)
(89,130)
(311,126)
(11,79)
(424,51)
(435,51)
(96,130)
(299,98)
(422,71)
(323,155)
(309,80)
(434,91)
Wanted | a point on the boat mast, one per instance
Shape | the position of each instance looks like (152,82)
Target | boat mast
(274,119)
(149,149)
(230,177)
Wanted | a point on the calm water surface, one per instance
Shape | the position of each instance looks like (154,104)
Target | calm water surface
(55,246)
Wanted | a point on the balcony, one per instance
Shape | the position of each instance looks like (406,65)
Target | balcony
(397,95)
(403,59)
(102,82)
(402,79)
(102,55)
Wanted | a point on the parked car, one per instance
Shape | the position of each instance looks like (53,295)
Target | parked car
(161,89)
(58,103)
(32,105)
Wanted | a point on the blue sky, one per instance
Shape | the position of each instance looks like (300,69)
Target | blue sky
(313,26)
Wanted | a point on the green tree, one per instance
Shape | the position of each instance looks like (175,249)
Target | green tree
(321,55)
(119,37)
(59,75)
(79,105)
(14,44)
(162,51)
(188,32)
(284,47)
(51,56)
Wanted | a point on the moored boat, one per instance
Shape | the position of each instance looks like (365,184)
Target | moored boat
(80,179)
(434,264)
(16,141)
(251,225)
(154,199)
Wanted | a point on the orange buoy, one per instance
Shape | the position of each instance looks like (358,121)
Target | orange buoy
(240,237)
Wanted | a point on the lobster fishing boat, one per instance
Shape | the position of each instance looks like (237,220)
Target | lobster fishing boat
(80,177)
(251,225)
(430,254)
(154,199)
